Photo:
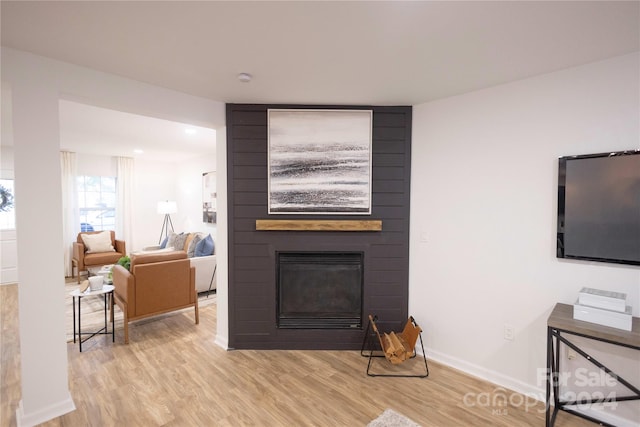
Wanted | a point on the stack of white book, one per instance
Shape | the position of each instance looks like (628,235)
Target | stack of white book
(604,308)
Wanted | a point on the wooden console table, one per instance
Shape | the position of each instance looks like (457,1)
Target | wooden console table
(561,322)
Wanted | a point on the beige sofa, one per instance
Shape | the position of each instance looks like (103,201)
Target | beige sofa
(206,267)
(206,272)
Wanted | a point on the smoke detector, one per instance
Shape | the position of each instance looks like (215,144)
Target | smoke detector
(244,77)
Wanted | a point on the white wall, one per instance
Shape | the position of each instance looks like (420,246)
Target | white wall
(483,213)
(95,165)
(156,181)
(37,84)
(41,292)
(6,162)
(189,188)
(8,242)
(181,182)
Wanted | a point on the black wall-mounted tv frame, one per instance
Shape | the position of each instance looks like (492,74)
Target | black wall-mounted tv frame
(606,250)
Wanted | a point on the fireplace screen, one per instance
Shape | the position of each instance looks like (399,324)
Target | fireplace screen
(320,290)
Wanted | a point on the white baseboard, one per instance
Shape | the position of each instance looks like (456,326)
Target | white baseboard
(488,375)
(222,342)
(44,414)
(506,382)
(610,418)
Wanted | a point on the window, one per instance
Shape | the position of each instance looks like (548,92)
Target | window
(97,202)
(7,214)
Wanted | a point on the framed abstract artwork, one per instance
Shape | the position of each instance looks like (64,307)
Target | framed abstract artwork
(319,161)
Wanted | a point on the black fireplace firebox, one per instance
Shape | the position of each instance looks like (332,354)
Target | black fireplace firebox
(319,290)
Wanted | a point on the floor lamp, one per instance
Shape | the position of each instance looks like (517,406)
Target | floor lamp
(166,208)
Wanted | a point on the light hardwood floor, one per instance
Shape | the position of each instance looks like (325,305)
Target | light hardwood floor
(173,374)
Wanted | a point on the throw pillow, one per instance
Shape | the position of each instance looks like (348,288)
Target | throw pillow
(171,240)
(187,242)
(205,247)
(191,250)
(164,242)
(178,245)
(98,242)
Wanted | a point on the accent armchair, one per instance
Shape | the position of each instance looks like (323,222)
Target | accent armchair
(95,249)
(154,284)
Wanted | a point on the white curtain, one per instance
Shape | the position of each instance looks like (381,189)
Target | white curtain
(124,204)
(70,209)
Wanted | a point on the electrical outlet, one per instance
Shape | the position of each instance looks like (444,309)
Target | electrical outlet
(509,332)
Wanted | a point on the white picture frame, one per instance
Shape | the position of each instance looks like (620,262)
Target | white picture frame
(209,198)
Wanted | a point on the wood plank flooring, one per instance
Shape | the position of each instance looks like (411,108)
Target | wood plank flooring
(173,374)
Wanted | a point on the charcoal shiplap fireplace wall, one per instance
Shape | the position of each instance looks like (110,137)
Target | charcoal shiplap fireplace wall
(254,316)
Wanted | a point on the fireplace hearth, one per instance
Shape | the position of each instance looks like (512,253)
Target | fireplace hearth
(319,290)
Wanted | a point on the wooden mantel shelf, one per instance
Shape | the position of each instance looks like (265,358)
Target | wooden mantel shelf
(318,225)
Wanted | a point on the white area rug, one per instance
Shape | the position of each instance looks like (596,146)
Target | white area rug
(390,418)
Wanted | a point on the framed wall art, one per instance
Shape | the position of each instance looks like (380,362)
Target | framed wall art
(209,195)
(319,161)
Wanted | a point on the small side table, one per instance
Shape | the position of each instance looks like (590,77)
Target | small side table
(107,293)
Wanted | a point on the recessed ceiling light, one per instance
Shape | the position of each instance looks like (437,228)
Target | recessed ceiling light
(138,151)
(190,131)
(244,77)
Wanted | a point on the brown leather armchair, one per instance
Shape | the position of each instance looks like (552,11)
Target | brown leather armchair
(82,259)
(154,284)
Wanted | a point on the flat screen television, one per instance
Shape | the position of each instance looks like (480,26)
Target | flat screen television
(599,207)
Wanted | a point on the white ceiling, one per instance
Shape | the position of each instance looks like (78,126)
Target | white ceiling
(93,130)
(324,52)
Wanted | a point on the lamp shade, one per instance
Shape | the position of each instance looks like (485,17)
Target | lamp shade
(167,207)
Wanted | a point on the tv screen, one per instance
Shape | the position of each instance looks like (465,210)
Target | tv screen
(599,207)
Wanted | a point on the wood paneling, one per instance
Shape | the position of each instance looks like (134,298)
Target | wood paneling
(252,253)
